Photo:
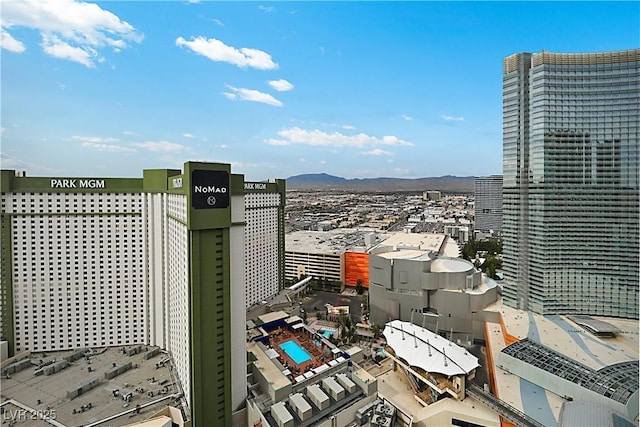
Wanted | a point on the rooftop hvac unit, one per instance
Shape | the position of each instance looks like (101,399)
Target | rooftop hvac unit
(379,420)
(387,410)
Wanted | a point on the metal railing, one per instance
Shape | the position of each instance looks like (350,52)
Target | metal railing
(505,410)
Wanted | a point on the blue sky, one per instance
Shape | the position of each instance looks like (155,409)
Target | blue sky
(354,89)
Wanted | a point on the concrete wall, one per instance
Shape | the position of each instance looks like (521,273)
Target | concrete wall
(367,383)
(276,395)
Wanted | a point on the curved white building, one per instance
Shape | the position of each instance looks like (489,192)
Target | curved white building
(412,283)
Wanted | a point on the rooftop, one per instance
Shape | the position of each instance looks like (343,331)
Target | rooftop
(150,382)
(562,335)
(424,242)
(617,382)
(422,348)
(334,241)
(451,265)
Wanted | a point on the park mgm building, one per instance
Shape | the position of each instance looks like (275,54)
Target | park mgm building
(169,260)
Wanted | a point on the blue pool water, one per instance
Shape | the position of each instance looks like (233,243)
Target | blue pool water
(327,334)
(295,352)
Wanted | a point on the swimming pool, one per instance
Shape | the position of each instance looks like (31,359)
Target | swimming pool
(327,334)
(295,352)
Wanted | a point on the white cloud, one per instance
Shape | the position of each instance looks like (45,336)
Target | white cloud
(103,144)
(348,127)
(131,133)
(217,51)
(162,146)
(9,43)
(319,138)
(188,135)
(281,85)
(94,139)
(302,160)
(112,148)
(57,48)
(323,162)
(378,152)
(451,118)
(218,22)
(243,165)
(407,118)
(267,9)
(3,129)
(243,94)
(70,29)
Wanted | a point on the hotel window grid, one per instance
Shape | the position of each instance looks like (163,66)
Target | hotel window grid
(571,189)
(59,253)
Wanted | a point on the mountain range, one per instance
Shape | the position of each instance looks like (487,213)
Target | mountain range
(323,181)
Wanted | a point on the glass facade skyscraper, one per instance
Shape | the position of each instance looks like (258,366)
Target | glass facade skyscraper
(488,203)
(571,189)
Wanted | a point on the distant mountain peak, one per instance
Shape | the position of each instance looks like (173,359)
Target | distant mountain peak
(448,183)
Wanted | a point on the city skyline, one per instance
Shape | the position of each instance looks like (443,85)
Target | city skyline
(353,89)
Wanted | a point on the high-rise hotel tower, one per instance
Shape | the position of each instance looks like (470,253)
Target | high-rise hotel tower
(488,206)
(571,192)
(160,260)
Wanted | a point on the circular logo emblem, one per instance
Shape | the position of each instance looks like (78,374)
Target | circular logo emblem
(211,200)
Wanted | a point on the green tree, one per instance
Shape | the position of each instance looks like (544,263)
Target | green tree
(359,287)
(377,331)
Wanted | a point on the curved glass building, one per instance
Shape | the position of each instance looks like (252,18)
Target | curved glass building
(571,191)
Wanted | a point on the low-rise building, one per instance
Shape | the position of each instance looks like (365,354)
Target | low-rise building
(297,377)
(412,282)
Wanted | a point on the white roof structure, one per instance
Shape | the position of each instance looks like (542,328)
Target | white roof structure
(272,317)
(320,368)
(428,351)
(280,413)
(271,353)
(450,265)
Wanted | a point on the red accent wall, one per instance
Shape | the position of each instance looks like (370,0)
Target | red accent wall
(356,266)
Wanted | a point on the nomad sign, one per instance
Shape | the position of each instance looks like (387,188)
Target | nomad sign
(209,189)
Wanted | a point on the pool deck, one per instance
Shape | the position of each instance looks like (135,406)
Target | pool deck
(280,336)
(295,351)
